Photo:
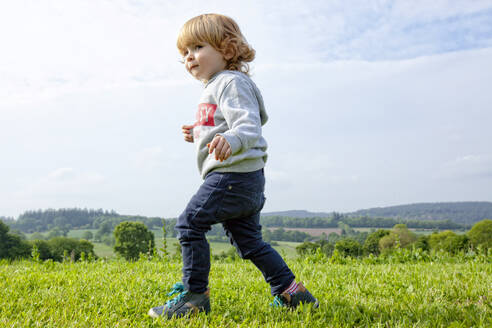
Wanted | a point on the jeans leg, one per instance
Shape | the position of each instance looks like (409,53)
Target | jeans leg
(192,225)
(245,235)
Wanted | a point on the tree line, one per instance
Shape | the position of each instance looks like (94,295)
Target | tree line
(356,222)
(465,213)
(13,246)
(73,218)
(386,241)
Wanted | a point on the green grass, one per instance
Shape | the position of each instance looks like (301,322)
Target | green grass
(79,232)
(119,294)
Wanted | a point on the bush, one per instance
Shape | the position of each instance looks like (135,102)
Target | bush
(348,247)
(456,244)
(327,248)
(307,248)
(481,234)
(398,237)
(448,241)
(388,242)
(405,236)
(56,232)
(422,243)
(12,246)
(371,244)
(43,249)
(133,238)
(62,246)
(230,254)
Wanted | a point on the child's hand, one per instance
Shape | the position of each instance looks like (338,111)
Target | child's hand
(222,148)
(187,132)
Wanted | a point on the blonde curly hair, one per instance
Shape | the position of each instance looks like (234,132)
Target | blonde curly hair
(223,34)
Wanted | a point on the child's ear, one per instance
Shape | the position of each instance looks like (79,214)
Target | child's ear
(229,53)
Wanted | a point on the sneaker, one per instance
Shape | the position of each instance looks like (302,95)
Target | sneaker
(186,303)
(302,295)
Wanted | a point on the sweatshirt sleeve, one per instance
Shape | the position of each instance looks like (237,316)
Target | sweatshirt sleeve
(239,105)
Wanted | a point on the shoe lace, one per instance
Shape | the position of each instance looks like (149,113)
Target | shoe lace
(278,302)
(178,288)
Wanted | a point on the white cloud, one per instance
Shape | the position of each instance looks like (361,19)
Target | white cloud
(58,47)
(376,30)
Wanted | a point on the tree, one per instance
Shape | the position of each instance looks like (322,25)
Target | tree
(422,243)
(346,229)
(456,243)
(405,236)
(371,244)
(481,234)
(4,229)
(55,232)
(326,247)
(348,247)
(388,242)
(19,233)
(87,235)
(438,239)
(133,238)
(43,248)
(267,235)
(104,229)
(12,246)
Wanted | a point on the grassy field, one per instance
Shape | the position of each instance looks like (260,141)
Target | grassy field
(119,294)
(312,231)
(287,249)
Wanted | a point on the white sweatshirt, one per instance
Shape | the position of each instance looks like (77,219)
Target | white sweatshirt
(231,105)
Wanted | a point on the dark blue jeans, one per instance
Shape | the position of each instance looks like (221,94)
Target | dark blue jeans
(235,200)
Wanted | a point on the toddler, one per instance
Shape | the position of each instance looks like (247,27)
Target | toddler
(231,154)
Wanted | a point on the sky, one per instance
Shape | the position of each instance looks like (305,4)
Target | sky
(370,103)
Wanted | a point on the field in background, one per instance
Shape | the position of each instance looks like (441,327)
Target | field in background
(119,294)
(284,247)
(312,231)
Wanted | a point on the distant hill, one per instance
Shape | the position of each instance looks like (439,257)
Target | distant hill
(299,214)
(72,218)
(460,212)
(466,213)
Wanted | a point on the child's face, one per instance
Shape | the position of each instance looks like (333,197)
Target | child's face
(202,61)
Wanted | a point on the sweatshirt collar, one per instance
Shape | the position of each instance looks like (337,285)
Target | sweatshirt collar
(213,77)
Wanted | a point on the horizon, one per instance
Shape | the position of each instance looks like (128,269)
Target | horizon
(263,213)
